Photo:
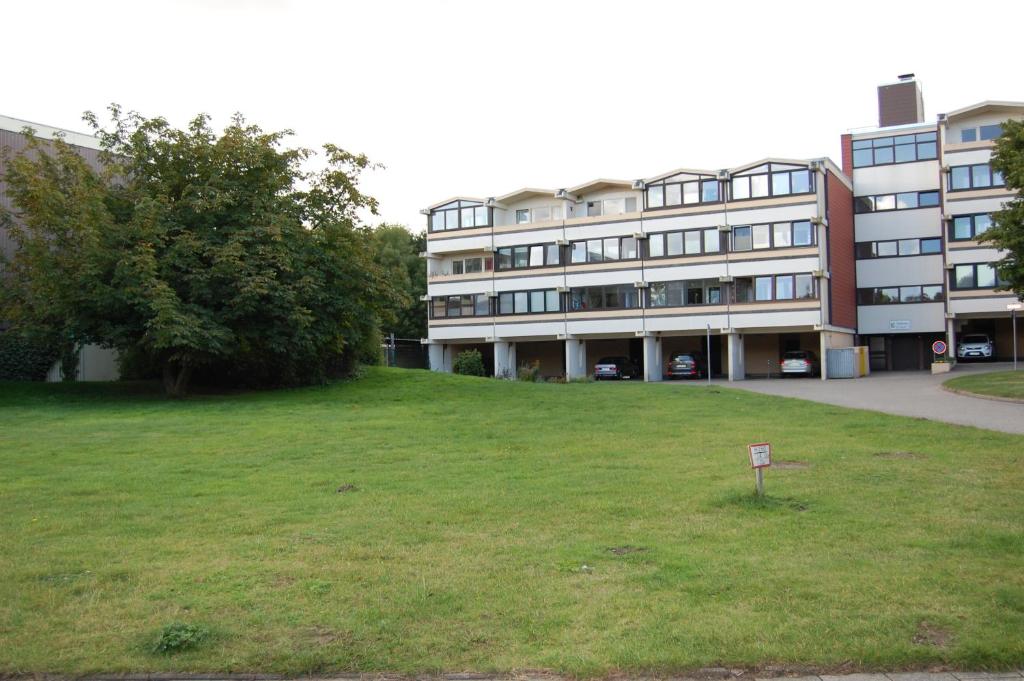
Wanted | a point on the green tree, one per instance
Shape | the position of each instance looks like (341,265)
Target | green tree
(216,255)
(397,252)
(1007,231)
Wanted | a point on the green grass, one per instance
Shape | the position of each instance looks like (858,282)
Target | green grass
(996,383)
(478,533)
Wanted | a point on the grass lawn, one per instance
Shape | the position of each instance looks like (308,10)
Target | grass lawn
(996,383)
(478,534)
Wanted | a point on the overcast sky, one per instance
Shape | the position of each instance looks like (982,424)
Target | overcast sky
(481,98)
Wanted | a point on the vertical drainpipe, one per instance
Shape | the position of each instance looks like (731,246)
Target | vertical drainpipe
(827,229)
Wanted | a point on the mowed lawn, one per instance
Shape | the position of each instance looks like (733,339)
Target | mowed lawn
(996,383)
(479,531)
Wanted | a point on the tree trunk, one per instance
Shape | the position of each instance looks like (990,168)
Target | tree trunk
(176,380)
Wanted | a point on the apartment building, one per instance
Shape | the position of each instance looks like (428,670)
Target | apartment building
(924,193)
(742,264)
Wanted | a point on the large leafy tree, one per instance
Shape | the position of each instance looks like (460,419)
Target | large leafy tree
(202,254)
(397,251)
(1007,231)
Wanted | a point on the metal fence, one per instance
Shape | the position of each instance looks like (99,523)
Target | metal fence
(404,353)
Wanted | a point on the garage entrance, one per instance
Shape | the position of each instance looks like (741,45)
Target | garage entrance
(547,356)
(614,347)
(671,345)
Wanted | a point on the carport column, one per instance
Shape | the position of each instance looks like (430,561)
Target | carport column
(951,337)
(449,357)
(504,359)
(737,371)
(435,355)
(823,346)
(575,358)
(652,358)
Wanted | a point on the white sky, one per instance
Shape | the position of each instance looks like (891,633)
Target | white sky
(482,98)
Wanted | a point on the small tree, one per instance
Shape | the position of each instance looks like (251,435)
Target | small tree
(1007,231)
(469,363)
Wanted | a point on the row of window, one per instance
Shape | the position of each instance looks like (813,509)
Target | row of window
(775,235)
(897,248)
(472,265)
(538,214)
(970,227)
(984,132)
(898,149)
(974,276)
(679,193)
(536,255)
(890,295)
(900,201)
(976,176)
(459,215)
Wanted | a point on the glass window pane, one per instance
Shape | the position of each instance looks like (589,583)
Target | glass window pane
(926,137)
(784,288)
(577,299)
(656,294)
(595,250)
(467,217)
(780,184)
(551,300)
(656,245)
(521,301)
(982,223)
(969,135)
(804,286)
(691,192)
(595,297)
(885,202)
(741,240)
(714,295)
(536,256)
(522,216)
(536,301)
(963,275)
(628,248)
(926,199)
(925,150)
(454,306)
(612,299)
(881,142)
(504,258)
(986,276)
(611,249)
(762,236)
(457,266)
(483,305)
(909,246)
(997,179)
(712,242)
(553,255)
(862,144)
(960,177)
(931,246)
(889,295)
(905,153)
(801,180)
(883,155)
(962,227)
(675,243)
(481,216)
(863,204)
(673,194)
(541,213)
(709,191)
(762,288)
(904,139)
(803,233)
(579,251)
(740,188)
(614,206)
(758,185)
(655,197)
(864,250)
(692,241)
(593,208)
(990,132)
(630,204)
(933,293)
(520,256)
(862,158)
(437,222)
(474,265)
(782,234)
(910,294)
(980,175)
(886,249)
(906,200)
(439,306)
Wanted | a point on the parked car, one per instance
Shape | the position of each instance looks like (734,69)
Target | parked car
(975,345)
(616,367)
(799,363)
(686,365)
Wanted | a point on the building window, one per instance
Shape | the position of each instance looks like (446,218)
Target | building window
(969,227)
(620,296)
(612,206)
(892,295)
(898,149)
(459,215)
(473,305)
(472,265)
(771,179)
(523,257)
(990,132)
(522,216)
(977,176)
(975,276)
(690,242)
(777,287)
(537,301)
(777,235)
(902,201)
(684,293)
(604,250)
(969,135)
(682,190)
(866,250)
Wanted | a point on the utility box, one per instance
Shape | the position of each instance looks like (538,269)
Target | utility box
(848,362)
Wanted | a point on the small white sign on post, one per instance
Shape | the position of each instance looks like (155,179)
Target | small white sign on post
(760,458)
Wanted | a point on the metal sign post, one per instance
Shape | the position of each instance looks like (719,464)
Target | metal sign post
(1013,307)
(760,458)
(709,354)
(938,350)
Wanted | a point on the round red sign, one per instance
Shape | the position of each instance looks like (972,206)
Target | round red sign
(939,347)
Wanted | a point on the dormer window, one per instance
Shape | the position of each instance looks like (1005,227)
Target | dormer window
(459,215)
(538,214)
(684,189)
(772,179)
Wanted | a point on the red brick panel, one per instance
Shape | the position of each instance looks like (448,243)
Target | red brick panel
(841,256)
(847,143)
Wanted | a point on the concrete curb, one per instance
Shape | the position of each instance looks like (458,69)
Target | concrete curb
(967,393)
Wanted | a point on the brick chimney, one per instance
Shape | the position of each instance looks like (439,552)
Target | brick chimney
(900,103)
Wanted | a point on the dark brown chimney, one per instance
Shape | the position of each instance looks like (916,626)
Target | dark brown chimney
(900,103)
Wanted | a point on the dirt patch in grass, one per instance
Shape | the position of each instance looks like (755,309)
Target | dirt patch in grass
(790,465)
(928,634)
(623,550)
(323,636)
(347,488)
(901,455)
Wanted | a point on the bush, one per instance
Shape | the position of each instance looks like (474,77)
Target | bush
(529,372)
(179,636)
(469,363)
(26,358)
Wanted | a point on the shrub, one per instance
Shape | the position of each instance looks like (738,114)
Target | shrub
(529,372)
(26,358)
(469,363)
(179,636)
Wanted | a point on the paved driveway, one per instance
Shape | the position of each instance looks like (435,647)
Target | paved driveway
(902,392)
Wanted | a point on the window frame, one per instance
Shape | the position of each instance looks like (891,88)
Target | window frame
(771,236)
(457,207)
(604,250)
(586,293)
(662,237)
(544,246)
(973,217)
(871,295)
(770,176)
(699,180)
(879,143)
(446,303)
(858,201)
(858,248)
(954,283)
(970,176)
(529,297)
(773,287)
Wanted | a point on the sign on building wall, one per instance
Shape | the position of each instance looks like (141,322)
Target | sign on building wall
(899,325)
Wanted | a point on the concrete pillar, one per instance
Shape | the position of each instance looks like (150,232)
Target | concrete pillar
(823,345)
(504,359)
(737,370)
(449,358)
(652,358)
(435,355)
(951,337)
(575,358)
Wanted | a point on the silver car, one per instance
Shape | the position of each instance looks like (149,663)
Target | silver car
(799,363)
(974,346)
